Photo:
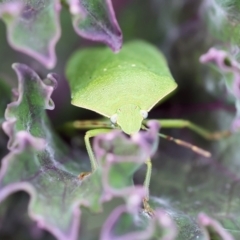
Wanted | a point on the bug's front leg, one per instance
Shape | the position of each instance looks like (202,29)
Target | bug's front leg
(96,127)
(88,135)
(93,161)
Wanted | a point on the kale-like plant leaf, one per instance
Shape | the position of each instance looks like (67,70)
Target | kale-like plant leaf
(95,20)
(33,27)
(39,162)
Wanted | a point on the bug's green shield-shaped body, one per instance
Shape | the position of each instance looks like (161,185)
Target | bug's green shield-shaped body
(105,82)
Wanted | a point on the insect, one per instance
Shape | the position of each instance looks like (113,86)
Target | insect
(124,87)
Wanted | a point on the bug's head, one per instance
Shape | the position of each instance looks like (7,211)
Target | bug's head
(129,118)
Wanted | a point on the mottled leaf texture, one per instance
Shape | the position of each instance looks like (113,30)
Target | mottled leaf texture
(222,17)
(185,184)
(118,154)
(33,27)
(229,69)
(95,20)
(127,158)
(212,229)
(5,94)
(38,162)
(160,226)
(4,99)
(37,158)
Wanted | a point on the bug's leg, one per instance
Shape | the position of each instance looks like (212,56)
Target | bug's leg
(96,127)
(146,184)
(87,124)
(181,123)
(148,175)
(88,135)
(91,124)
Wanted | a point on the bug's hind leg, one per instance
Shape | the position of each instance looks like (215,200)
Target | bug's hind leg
(182,123)
(146,184)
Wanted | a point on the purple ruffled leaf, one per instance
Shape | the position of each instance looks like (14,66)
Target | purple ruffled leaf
(39,163)
(166,224)
(29,82)
(212,229)
(14,222)
(33,27)
(159,226)
(118,165)
(149,139)
(5,94)
(20,171)
(118,154)
(10,8)
(230,69)
(95,20)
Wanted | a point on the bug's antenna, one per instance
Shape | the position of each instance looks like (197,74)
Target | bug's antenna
(180,142)
(185,144)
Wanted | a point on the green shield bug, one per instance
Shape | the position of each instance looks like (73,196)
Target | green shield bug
(124,87)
